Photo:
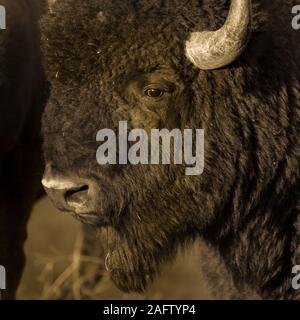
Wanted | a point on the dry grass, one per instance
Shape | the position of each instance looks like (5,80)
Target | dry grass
(69,283)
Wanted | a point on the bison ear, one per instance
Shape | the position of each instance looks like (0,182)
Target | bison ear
(210,50)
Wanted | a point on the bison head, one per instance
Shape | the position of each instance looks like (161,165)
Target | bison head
(155,65)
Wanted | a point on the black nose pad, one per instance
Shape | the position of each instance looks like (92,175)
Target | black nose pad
(77,196)
(71,193)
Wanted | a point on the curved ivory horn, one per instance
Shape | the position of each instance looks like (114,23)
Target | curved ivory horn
(209,50)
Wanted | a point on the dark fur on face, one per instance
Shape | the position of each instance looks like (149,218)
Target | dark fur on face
(101,55)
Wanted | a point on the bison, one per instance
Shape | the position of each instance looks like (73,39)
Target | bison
(23,93)
(228,67)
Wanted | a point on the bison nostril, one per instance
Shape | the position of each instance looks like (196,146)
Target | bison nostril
(77,196)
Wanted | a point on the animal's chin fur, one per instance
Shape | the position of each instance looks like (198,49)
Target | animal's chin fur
(132,259)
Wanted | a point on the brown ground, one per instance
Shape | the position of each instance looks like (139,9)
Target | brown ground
(52,259)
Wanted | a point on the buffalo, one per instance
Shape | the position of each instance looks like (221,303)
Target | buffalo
(23,93)
(230,68)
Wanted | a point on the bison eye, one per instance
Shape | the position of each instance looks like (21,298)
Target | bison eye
(154,93)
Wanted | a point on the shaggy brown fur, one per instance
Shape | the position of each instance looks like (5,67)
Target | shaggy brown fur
(99,56)
(22,97)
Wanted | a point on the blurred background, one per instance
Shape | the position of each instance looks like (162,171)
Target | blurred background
(53,259)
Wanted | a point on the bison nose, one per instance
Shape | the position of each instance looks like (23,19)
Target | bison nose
(74,195)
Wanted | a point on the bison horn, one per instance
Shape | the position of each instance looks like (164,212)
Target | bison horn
(215,49)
